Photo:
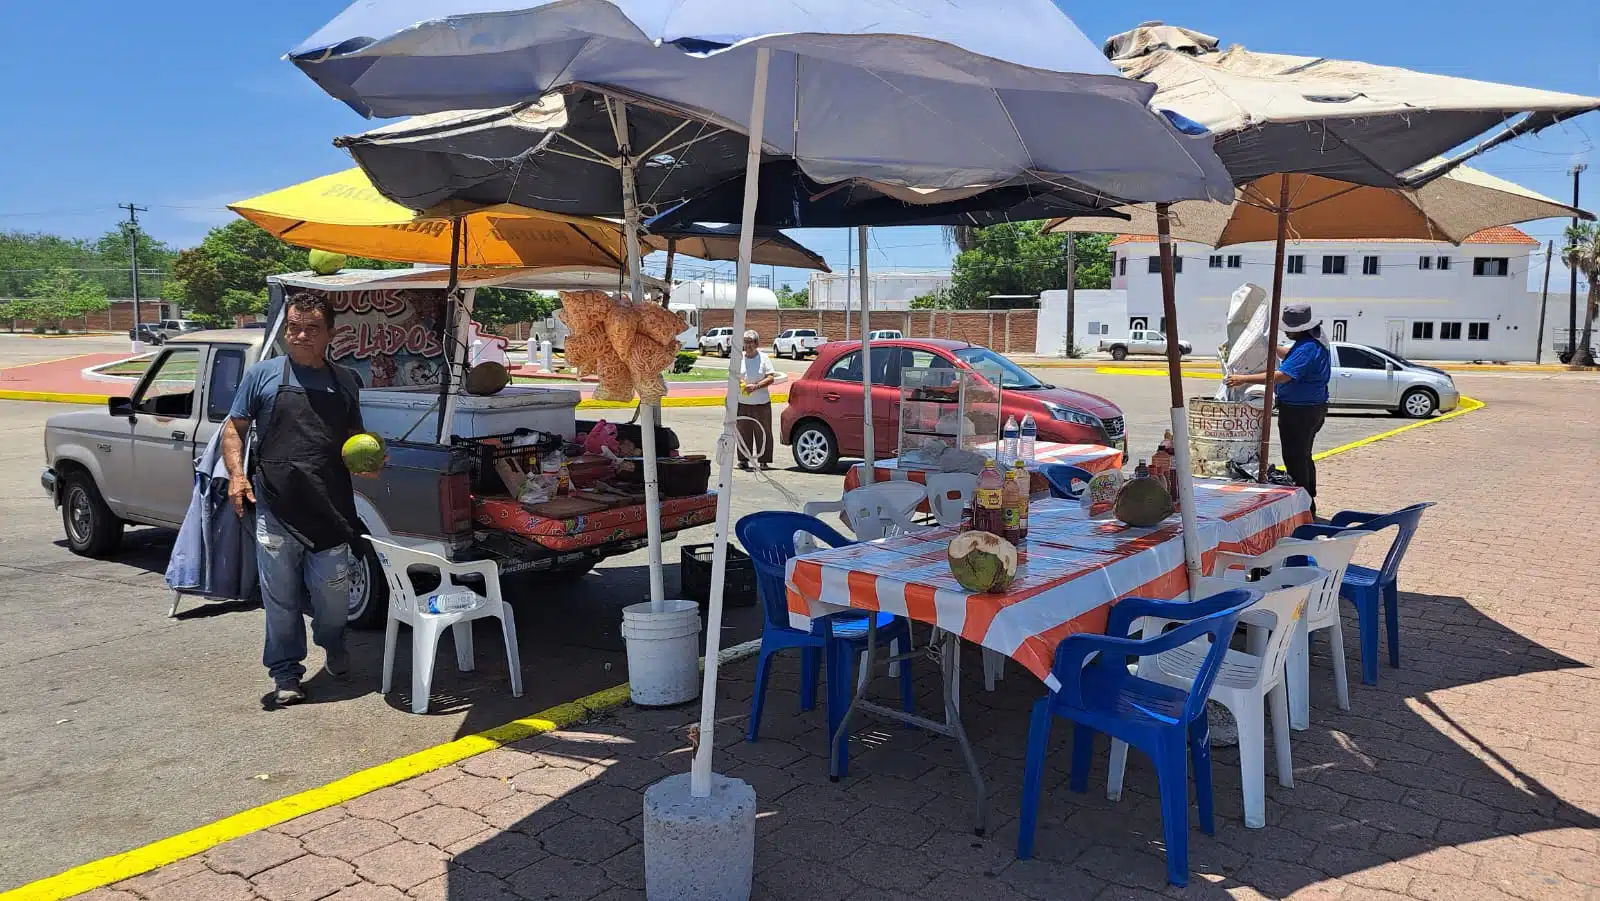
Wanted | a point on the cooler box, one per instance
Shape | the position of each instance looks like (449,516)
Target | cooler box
(392,412)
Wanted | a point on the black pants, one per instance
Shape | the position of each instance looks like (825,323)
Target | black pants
(1297,430)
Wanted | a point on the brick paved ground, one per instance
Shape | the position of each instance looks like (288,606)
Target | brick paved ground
(1471,773)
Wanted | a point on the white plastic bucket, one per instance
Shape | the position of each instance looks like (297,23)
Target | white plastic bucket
(663,653)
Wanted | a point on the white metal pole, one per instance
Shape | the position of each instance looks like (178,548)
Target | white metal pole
(700,774)
(866,360)
(647,412)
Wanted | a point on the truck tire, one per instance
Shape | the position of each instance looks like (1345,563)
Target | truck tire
(92,529)
(1119,353)
(816,450)
(369,590)
(727,350)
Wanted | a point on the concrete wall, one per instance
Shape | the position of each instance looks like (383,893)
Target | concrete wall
(119,318)
(1395,308)
(1095,313)
(888,290)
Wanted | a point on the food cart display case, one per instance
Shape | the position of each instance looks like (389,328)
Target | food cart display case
(943,408)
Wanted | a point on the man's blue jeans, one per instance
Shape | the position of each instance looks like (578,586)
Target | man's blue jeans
(295,581)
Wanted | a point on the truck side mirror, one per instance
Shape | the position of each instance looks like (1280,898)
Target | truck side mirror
(120,406)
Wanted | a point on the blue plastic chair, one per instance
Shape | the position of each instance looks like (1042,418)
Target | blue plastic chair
(769,539)
(1061,476)
(1365,587)
(1160,720)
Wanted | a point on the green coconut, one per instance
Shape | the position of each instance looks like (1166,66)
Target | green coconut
(363,453)
(983,561)
(1143,502)
(324,262)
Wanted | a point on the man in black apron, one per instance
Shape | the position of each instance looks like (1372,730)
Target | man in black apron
(303,407)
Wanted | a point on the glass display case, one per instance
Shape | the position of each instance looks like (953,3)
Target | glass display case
(944,408)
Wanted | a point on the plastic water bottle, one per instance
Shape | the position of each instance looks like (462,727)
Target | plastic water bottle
(1030,436)
(1008,451)
(458,601)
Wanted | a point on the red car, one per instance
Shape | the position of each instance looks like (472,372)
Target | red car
(823,420)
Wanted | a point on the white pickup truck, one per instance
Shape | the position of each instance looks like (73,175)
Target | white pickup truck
(1140,341)
(798,342)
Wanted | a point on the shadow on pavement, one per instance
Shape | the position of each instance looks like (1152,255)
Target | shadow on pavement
(1402,777)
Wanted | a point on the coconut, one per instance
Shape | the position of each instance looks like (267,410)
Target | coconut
(324,262)
(363,453)
(1143,502)
(983,561)
(485,379)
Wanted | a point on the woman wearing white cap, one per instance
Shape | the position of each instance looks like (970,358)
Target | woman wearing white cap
(1301,386)
(756,374)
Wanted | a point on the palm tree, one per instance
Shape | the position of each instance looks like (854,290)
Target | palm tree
(960,237)
(1583,255)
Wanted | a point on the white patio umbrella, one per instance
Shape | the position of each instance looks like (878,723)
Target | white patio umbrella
(955,94)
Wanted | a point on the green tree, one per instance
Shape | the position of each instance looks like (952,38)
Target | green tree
(227,273)
(498,307)
(58,295)
(1019,258)
(1582,254)
(790,299)
(937,299)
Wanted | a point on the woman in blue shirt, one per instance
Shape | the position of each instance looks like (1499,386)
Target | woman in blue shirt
(1301,386)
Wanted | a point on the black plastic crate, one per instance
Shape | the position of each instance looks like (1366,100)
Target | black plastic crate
(694,576)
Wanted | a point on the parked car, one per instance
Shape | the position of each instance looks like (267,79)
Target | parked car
(884,334)
(824,418)
(797,342)
(132,463)
(717,341)
(1140,341)
(148,332)
(172,328)
(1373,378)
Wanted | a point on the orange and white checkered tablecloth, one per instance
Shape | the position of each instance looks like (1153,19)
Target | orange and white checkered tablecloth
(1072,570)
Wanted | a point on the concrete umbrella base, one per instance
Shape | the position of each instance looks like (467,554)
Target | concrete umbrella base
(699,849)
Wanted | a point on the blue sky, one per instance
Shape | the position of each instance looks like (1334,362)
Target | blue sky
(184,105)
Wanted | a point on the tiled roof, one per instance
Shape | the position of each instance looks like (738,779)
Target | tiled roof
(1503,234)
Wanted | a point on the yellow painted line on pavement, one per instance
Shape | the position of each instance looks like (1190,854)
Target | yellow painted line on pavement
(1212,374)
(128,864)
(1467,405)
(55,397)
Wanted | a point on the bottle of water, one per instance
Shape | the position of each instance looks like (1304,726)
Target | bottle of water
(458,601)
(1030,435)
(1008,448)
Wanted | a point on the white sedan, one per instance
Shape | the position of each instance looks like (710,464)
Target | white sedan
(1374,378)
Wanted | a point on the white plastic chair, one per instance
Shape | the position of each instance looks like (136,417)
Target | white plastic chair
(949,493)
(406,607)
(879,510)
(1322,612)
(1249,680)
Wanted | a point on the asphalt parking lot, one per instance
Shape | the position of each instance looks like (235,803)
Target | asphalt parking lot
(123,726)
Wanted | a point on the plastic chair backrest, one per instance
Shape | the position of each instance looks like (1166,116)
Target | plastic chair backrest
(882,509)
(1330,554)
(1061,476)
(769,538)
(1285,595)
(1407,520)
(397,562)
(949,493)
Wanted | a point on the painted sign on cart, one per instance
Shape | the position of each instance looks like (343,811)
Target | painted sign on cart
(389,337)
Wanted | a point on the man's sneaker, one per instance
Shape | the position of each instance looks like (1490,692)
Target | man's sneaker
(289,695)
(337,663)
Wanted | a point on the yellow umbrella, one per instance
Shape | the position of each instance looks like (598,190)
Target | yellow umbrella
(343,213)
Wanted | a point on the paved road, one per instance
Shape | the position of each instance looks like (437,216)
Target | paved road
(113,714)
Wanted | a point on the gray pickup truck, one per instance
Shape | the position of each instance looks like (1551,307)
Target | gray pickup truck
(133,463)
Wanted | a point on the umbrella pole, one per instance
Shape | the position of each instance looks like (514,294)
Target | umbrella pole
(867,445)
(700,774)
(1272,327)
(666,280)
(450,330)
(648,413)
(1180,416)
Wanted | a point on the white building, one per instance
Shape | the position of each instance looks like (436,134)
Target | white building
(1424,300)
(889,290)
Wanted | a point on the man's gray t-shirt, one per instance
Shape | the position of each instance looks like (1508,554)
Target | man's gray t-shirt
(259,388)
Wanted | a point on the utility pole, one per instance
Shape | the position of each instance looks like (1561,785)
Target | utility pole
(1572,274)
(133,268)
(1072,294)
(1544,299)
